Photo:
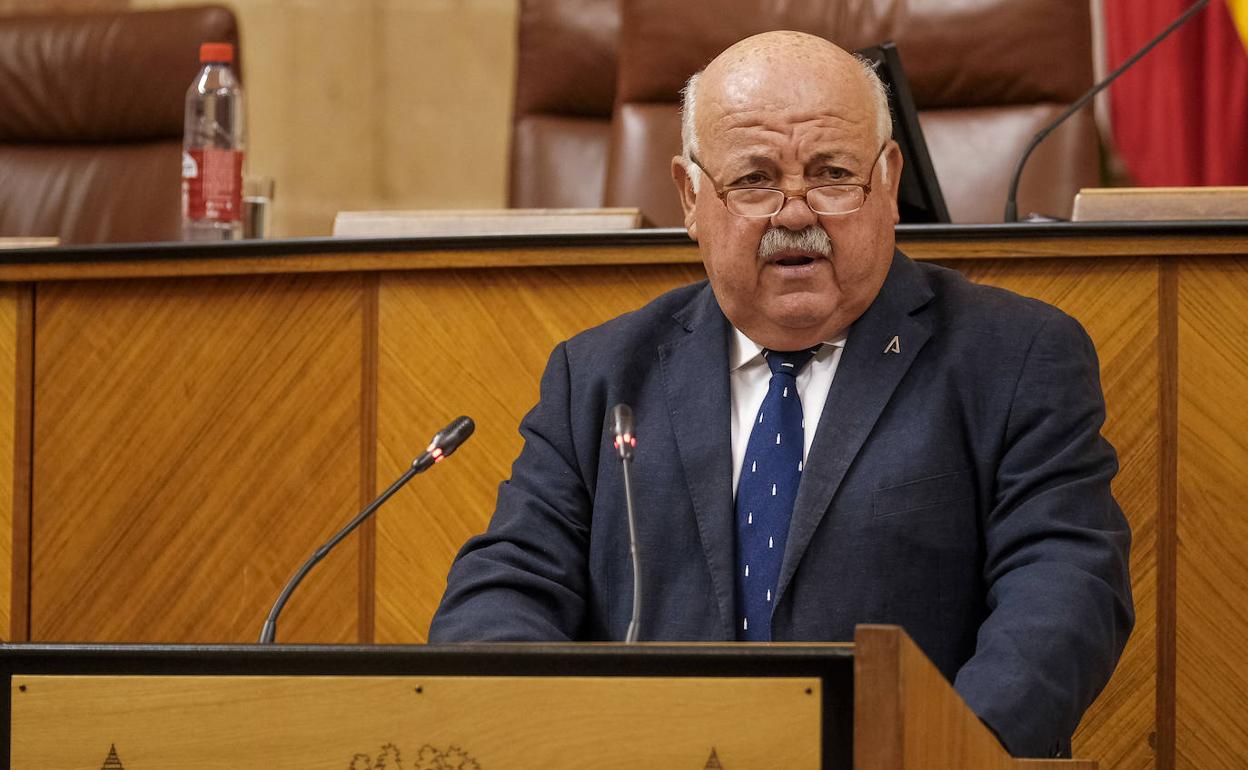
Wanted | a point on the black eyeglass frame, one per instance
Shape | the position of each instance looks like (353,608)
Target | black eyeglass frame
(722,193)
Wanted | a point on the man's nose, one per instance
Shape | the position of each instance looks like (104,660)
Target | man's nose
(795,214)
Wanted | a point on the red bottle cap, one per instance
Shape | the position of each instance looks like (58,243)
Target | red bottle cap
(216,52)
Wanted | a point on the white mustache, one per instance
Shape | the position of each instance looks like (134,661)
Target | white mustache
(811,239)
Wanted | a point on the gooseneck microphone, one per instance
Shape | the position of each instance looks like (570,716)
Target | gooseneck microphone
(1011,202)
(444,443)
(625,443)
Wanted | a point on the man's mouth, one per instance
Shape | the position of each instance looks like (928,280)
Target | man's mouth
(794,250)
(796,260)
(793,258)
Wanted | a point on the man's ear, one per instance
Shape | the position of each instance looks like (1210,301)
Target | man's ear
(893,156)
(688,198)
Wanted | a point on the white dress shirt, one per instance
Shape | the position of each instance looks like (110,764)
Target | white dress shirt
(748,376)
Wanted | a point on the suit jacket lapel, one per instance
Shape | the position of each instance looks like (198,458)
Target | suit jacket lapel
(695,380)
(871,366)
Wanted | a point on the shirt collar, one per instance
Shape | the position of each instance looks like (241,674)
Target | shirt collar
(744,350)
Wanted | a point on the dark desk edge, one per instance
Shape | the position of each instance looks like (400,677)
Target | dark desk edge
(114,252)
(467,659)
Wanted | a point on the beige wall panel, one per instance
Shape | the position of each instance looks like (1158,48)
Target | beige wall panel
(1116,301)
(195,440)
(8,420)
(469,342)
(1212,644)
(448,73)
(375,104)
(59,6)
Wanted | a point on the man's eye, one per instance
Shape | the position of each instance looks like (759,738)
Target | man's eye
(834,174)
(751,180)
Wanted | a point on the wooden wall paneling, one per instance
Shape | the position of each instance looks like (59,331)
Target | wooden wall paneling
(194,441)
(14,465)
(23,463)
(1116,301)
(367,532)
(470,342)
(1211,694)
(1167,528)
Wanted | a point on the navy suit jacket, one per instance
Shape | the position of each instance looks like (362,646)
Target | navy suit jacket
(959,488)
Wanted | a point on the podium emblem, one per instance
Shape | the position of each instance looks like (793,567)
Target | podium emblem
(112,761)
(427,758)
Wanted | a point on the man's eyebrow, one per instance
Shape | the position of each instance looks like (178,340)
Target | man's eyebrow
(836,156)
(737,167)
(752,161)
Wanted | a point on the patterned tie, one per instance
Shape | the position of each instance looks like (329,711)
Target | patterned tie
(765,494)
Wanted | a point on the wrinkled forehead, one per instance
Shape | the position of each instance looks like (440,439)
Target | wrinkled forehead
(782,84)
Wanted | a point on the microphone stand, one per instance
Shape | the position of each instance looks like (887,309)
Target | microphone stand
(1011,202)
(443,444)
(625,443)
(635,623)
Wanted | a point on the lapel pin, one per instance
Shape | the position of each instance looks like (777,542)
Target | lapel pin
(894,345)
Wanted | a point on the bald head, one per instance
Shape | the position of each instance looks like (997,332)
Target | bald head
(768,72)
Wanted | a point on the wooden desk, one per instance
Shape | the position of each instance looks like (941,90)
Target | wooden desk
(188,422)
(876,704)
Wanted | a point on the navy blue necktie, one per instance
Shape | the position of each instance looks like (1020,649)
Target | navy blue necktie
(765,493)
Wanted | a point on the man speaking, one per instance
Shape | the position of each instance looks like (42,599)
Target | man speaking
(831,433)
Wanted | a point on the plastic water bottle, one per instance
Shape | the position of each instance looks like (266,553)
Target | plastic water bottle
(212,150)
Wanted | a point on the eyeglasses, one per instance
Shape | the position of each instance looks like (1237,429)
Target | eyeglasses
(827,199)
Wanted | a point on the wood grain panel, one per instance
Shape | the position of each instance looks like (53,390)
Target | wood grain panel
(9,469)
(23,463)
(1212,567)
(907,715)
(476,343)
(194,442)
(1116,301)
(374,722)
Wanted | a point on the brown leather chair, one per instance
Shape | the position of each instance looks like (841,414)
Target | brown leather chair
(565,93)
(91,112)
(985,76)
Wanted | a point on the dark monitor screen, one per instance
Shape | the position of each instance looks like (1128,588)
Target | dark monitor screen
(919,199)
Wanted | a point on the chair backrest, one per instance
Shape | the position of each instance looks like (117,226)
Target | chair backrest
(565,94)
(91,109)
(985,76)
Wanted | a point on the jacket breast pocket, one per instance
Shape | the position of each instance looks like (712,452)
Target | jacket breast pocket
(930,492)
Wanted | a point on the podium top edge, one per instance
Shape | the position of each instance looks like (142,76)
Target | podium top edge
(109,252)
(492,659)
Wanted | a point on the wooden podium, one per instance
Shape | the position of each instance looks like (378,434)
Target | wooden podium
(877,704)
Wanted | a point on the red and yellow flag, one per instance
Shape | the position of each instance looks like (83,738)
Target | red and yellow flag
(1239,12)
(1180,117)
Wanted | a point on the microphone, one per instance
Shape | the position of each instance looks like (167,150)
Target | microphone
(1011,203)
(625,443)
(444,443)
(622,427)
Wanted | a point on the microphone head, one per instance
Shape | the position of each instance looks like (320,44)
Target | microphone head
(622,429)
(449,438)
(621,419)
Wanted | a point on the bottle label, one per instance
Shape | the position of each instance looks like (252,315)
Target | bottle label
(212,184)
